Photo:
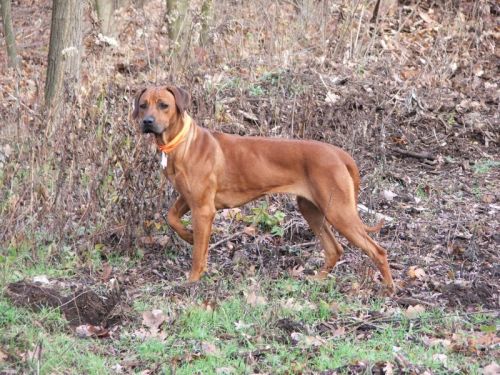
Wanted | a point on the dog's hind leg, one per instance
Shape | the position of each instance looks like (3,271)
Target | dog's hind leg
(351,227)
(321,228)
(338,204)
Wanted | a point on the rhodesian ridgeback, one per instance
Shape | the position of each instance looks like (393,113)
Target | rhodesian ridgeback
(212,171)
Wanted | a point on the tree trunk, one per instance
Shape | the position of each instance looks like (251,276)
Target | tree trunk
(10,38)
(176,14)
(139,3)
(105,10)
(63,70)
(207,16)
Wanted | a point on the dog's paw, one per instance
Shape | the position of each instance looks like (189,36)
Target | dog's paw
(389,289)
(320,276)
(194,277)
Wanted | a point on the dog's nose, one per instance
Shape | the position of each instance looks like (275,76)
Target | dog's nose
(148,121)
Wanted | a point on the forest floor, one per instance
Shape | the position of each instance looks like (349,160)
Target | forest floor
(93,280)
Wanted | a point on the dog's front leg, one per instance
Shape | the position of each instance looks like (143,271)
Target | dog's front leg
(203,217)
(179,209)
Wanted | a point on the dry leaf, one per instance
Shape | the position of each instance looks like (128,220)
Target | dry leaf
(442,358)
(426,17)
(88,330)
(414,311)
(114,285)
(41,279)
(3,357)
(416,273)
(409,73)
(492,369)
(146,241)
(250,231)
(307,341)
(209,305)
(339,332)
(117,369)
(435,342)
(331,98)
(239,325)
(154,240)
(291,304)
(153,319)
(297,271)
(253,299)
(488,198)
(388,195)
(482,340)
(334,308)
(106,272)
(225,371)
(209,349)
(388,368)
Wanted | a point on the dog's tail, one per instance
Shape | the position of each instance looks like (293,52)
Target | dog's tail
(354,172)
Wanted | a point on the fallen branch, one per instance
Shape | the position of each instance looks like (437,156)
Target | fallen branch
(306,244)
(417,155)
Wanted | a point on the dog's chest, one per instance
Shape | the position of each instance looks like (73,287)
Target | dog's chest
(164,160)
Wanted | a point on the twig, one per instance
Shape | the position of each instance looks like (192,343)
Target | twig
(226,239)
(412,301)
(21,103)
(305,244)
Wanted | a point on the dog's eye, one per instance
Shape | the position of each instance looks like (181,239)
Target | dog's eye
(163,105)
(143,106)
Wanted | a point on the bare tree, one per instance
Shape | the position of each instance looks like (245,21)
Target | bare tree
(176,14)
(63,70)
(10,38)
(105,10)
(140,3)
(207,15)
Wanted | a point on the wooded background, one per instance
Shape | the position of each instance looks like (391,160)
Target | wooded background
(391,82)
(384,80)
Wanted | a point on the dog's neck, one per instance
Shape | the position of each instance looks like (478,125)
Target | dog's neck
(170,142)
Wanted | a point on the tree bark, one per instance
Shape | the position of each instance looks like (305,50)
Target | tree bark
(139,3)
(207,16)
(65,48)
(176,14)
(105,10)
(10,37)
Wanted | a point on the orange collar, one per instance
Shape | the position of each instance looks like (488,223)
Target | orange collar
(179,138)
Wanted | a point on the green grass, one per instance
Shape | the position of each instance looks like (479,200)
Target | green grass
(240,337)
(484,166)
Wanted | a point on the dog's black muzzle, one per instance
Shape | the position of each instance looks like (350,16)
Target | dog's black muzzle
(149,125)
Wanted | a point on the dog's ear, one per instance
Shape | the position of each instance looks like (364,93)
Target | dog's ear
(182,98)
(136,104)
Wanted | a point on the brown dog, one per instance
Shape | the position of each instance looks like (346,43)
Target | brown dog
(212,171)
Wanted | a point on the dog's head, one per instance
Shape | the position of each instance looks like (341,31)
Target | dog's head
(158,108)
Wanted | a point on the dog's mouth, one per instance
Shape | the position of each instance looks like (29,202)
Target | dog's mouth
(152,129)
